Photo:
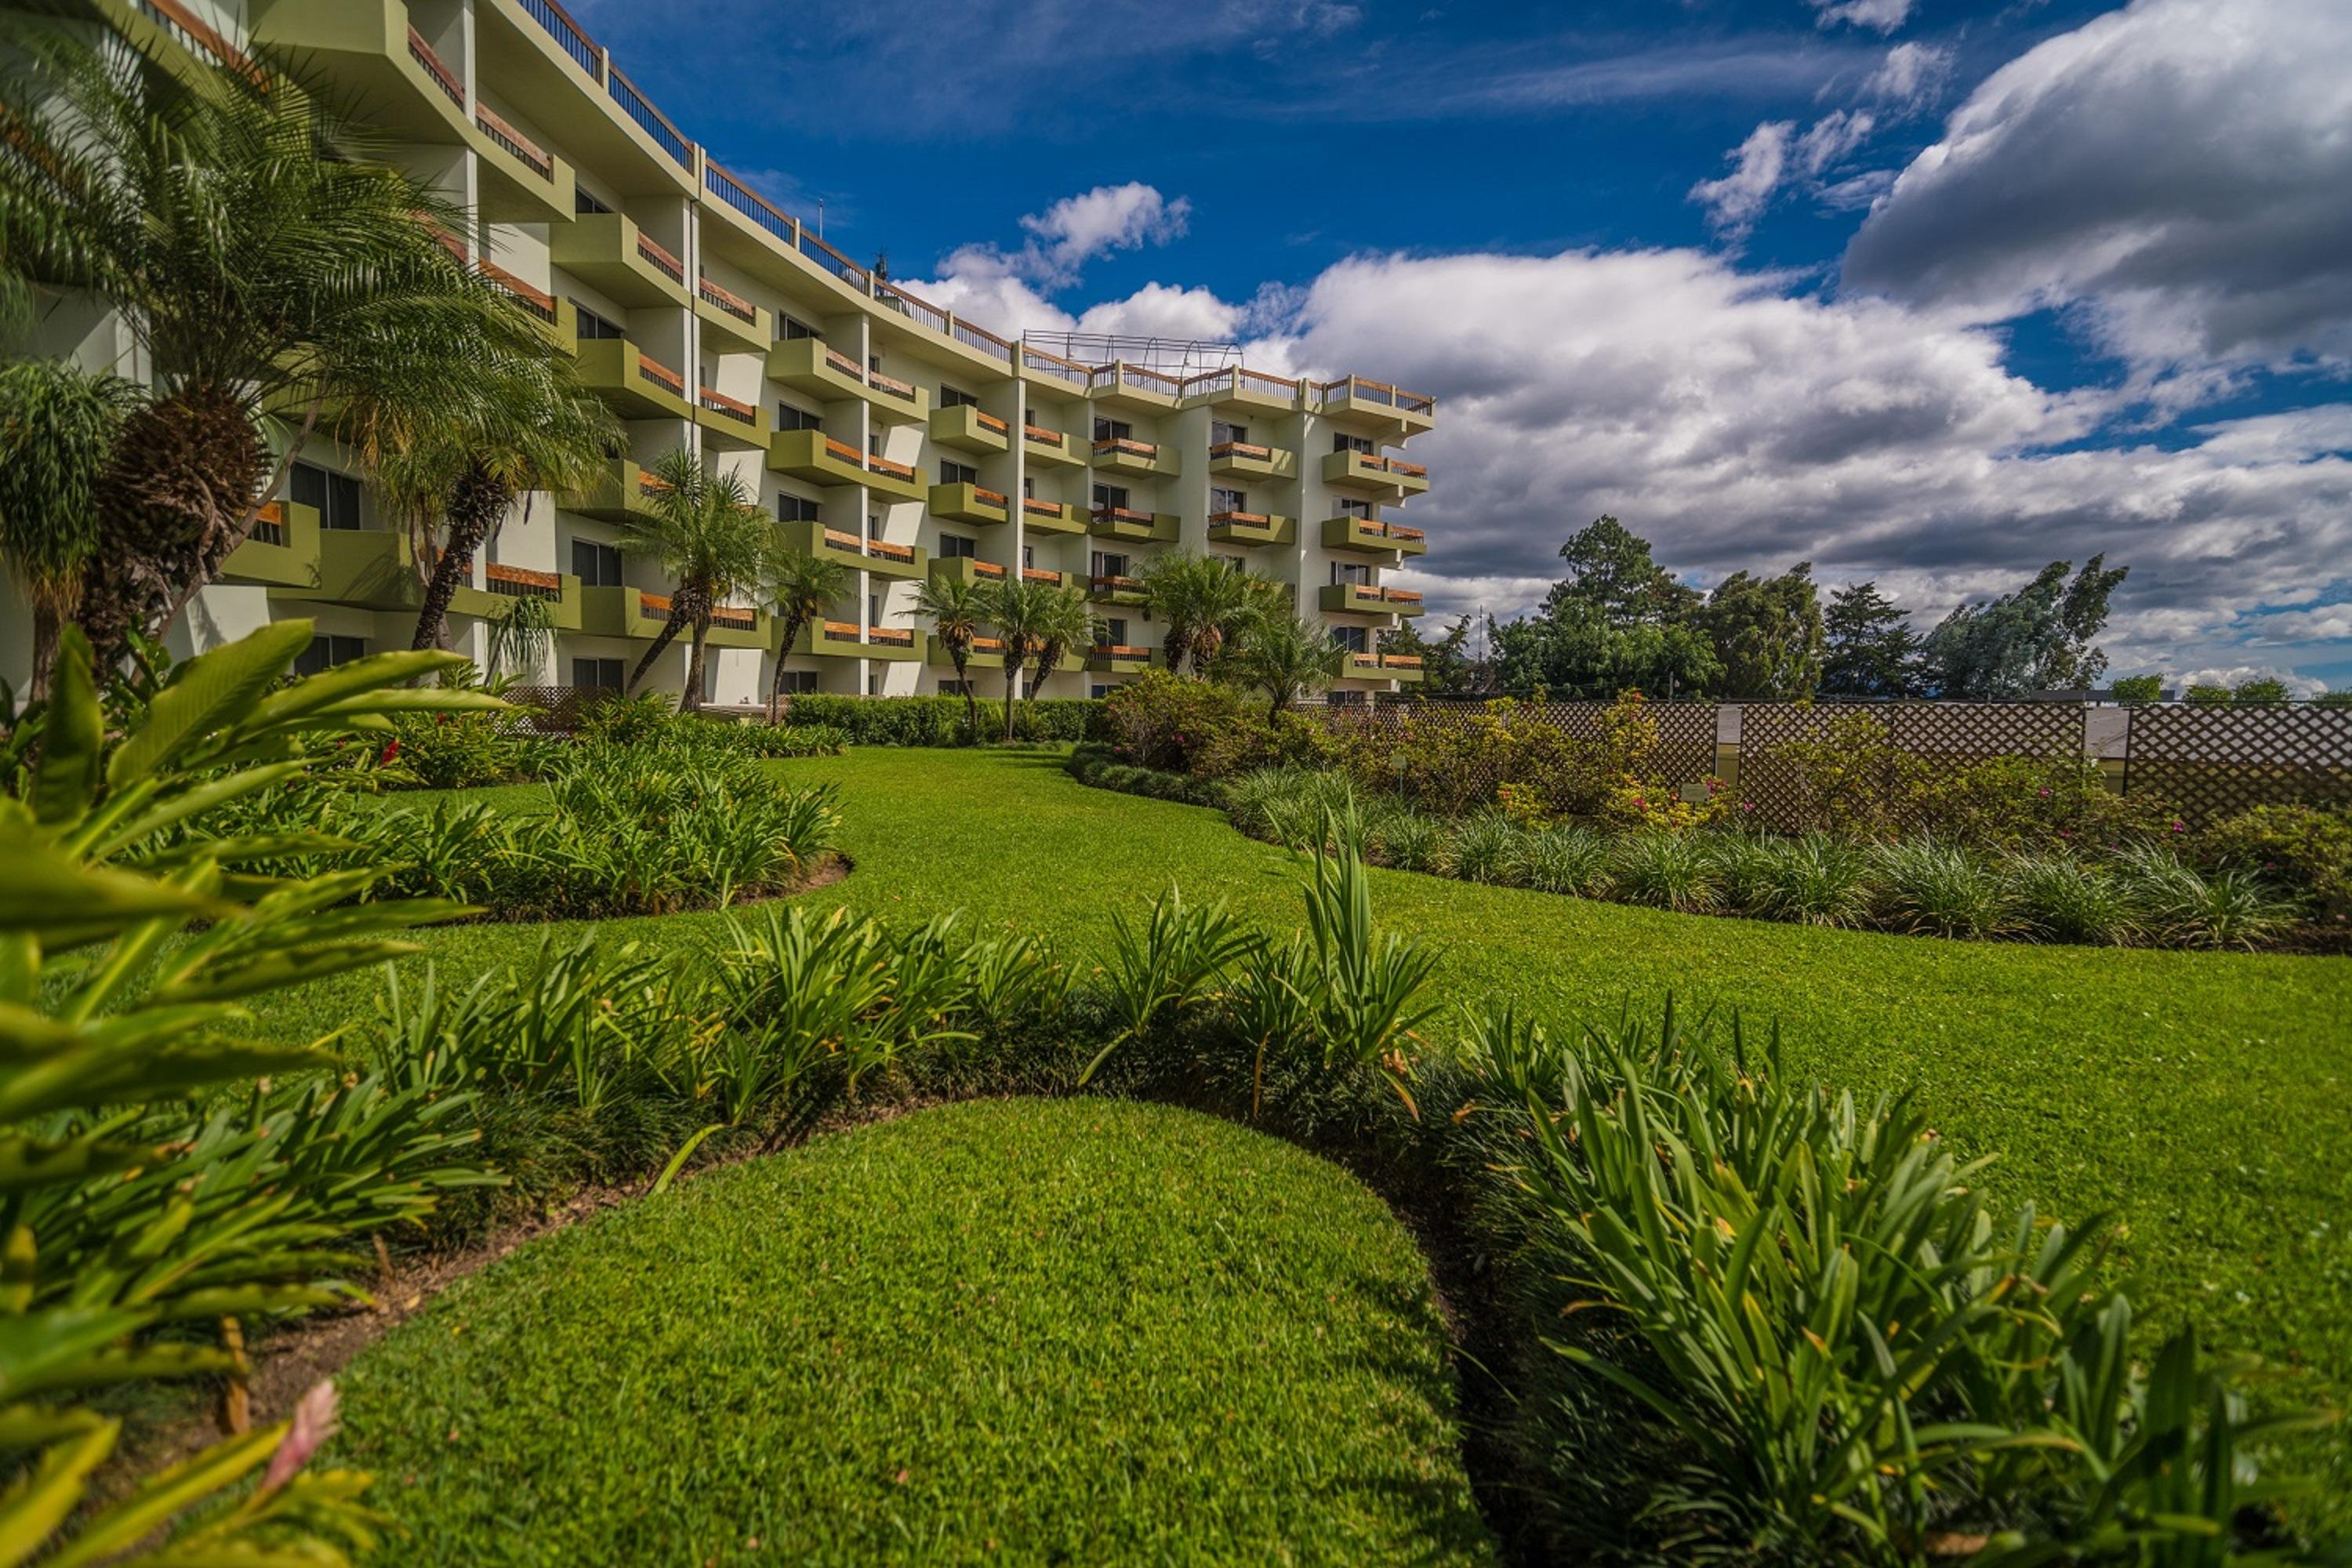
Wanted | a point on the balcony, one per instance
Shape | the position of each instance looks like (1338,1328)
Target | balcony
(1052,517)
(1365,599)
(1135,527)
(1245,460)
(967,569)
(560,591)
(985,653)
(624,494)
(625,612)
(903,562)
(1117,658)
(637,384)
(1127,591)
(810,365)
(1136,459)
(1236,386)
(1387,666)
(558,317)
(371,53)
(969,504)
(1132,388)
(609,251)
(730,423)
(1051,447)
(521,180)
(1390,478)
(282,551)
(1391,411)
(814,455)
(1039,574)
(730,323)
(842,640)
(1250,528)
(967,429)
(1373,536)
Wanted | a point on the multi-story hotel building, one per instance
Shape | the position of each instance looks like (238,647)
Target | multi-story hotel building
(883,432)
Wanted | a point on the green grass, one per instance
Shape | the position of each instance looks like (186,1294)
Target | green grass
(2205,1098)
(1014,1331)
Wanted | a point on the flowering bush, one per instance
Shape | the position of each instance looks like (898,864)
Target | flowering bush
(1203,728)
(2306,849)
(1455,763)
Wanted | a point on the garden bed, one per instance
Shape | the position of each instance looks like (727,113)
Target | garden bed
(1083,1329)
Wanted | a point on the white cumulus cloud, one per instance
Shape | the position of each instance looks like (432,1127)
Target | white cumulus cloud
(1878,16)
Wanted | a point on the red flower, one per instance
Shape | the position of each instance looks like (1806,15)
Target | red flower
(391,750)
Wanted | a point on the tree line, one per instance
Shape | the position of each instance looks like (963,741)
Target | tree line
(1617,620)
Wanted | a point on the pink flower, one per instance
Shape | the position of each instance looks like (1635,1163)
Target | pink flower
(313,1423)
(2179,827)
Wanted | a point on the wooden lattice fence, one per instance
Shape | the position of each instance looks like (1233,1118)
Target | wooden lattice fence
(2207,762)
(554,709)
(1686,731)
(1775,788)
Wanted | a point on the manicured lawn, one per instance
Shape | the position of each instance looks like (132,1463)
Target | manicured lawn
(1018,1330)
(2204,1098)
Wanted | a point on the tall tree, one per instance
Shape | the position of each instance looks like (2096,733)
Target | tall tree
(1767,633)
(1019,610)
(1447,668)
(1287,657)
(1616,620)
(713,542)
(1064,621)
(957,608)
(521,421)
(801,586)
(1202,602)
(264,258)
(2037,639)
(1611,572)
(1872,650)
(57,430)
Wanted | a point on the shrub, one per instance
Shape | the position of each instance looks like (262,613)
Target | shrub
(2059,899)
(1091,763)
(2304,849)
(453,751)
(1930,889)
(943,720)
(2184,908)
(1666,869)
(1453,762)
(1565,858)
(1161,720)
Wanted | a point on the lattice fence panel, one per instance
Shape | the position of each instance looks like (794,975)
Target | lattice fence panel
(1685,730)
(2207,762)
(1955,733)
(557,710)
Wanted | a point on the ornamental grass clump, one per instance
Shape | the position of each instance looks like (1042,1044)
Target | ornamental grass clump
(1487,848)
(2183,907)
(1928,889)
(1667,870)
(1565,858)
(2057,897)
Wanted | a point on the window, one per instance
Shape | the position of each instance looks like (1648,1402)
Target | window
(1115,630)
(791,418)
(325,652)
(873,683)
(792,329)
(1028,488)
(1109,496)
(1099,690)
(956,397)
(593,325)
(957,547)
(1347,699)
(1353,443)
(1222,500)
(1232,562)
(1113,430)
(873,443)
(956,688)
(596,565)
(796,509)
(873,609)
(1351,507)
(874,364)
(335,497)
(1351,572)
(1220,433)
(596,673)
(1353,638)
(1028,558)
(1110,565)
(955,473)
(798,682)
(585,200)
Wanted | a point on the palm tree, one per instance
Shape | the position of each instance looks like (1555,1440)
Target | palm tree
(1204,602)
(1065,621)
(957,608)
(58,429)
(1287,657)
(521,423)
(1018,608)
(801,586)
(269,264)
(713,541)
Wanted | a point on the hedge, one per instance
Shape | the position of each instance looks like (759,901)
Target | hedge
(945,720)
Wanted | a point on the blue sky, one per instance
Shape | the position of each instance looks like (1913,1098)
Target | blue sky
(1925,292)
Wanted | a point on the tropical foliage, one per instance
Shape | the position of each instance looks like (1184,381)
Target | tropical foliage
(713,542)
